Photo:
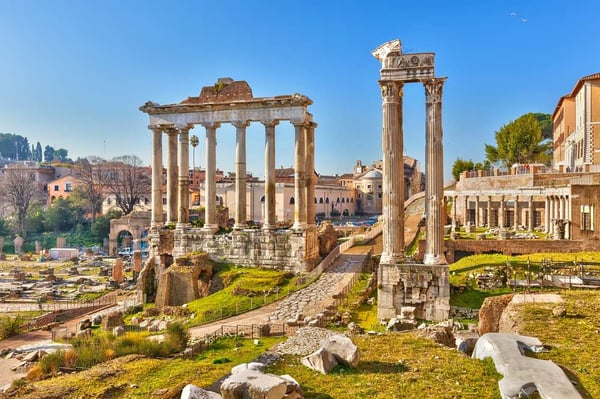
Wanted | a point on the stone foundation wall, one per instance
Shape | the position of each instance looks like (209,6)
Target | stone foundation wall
(426,287)
(287,250)
(510,247)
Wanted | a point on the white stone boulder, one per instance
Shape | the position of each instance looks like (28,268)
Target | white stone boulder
(321,360)
(343,349)
(251,384)
(256,366)
(191,391)
(522,374)
(293,389)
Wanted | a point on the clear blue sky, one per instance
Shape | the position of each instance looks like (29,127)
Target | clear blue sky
(73,73)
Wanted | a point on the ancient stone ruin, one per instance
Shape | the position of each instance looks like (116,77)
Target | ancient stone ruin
(424,286)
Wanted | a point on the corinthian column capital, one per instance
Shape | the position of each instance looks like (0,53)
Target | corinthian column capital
(433,89)
(391,91)
(241,124)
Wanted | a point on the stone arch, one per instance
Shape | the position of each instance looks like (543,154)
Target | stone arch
(346,212)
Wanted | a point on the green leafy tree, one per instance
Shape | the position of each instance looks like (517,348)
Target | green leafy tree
(49,153)
(61,155)
(38,154)
(35,220)
(461,165)
(101,227)
(62,215)
(14,146)
(520,141)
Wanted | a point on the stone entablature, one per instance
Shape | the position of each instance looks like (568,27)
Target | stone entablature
(287,250)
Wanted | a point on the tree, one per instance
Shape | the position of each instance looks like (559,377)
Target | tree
(461,165)
(61,155)
(62,215)
(520,141)
(19,189)
(101,227)
(38,155)
(48,153)
(93,175)
(14,146)
(128,181)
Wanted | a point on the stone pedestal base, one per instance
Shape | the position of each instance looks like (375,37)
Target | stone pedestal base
(426,287)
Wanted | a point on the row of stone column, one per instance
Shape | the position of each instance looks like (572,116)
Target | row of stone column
(178,174)
(556,207)
(393,177)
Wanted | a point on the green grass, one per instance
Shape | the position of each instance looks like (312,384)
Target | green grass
(398,366)
(245,289)
(136,376)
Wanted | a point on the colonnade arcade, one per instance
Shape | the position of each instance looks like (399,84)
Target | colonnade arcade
(516,209)
(229,101)
(176,120)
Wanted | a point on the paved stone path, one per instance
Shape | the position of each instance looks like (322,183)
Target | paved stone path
(308,301)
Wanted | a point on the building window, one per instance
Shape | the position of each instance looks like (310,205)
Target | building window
(68,187)
(379,195)
(292,201)
(587,217)
(321,200)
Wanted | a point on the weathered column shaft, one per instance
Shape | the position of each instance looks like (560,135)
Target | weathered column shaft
(269,217)
(516,212)
(547,214)
(465,210)
(489,211)
(210,185)
(434,175)
(454,212)
(299,176)
(172,172)
(477,210)
(240,174)
(393,173)
(530,218)
(183,215)
(501,213)
(310,173)
(157,168)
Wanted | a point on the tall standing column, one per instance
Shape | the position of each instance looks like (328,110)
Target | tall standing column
(240,174)
(210,186)
(434,174)
(310,173)
(547,213)
(454,213)
(489,211)
(516,214)
(530,216)
(465,210)
(172,172)
(183,214)
(157,204)
(477,211)
(299,176)
(501,221)
(269,222)
(393,173)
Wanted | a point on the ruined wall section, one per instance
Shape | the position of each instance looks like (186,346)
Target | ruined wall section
(287,250)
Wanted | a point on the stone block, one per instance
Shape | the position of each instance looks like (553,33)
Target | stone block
(321,360)
(343,349)
(491,312)
(191,391)
(251,384)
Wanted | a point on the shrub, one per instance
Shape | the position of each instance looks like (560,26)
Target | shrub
(52,362)
(178,337)
(10,326)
